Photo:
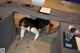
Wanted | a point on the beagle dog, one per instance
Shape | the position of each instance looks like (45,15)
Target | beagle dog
(32,26)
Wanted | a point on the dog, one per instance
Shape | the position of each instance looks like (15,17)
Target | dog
(32,25)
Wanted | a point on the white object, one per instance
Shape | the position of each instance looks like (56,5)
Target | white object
(33,30)
(38,2)
(45,10)
(2,50)
(22,33)
(78,42)
(70,27)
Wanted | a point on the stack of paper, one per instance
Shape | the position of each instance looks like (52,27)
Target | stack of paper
(78,42)
(45,10)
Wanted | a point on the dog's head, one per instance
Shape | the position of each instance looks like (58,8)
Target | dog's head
(23,23)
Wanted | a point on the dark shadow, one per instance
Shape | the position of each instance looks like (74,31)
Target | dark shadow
(9,2)
(56,45)
(0,19)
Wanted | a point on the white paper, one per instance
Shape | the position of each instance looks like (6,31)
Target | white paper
(45,10)
(78,42)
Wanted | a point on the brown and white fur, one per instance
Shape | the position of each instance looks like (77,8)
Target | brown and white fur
(32,25)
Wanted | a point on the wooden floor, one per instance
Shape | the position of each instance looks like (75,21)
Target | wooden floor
(57,4)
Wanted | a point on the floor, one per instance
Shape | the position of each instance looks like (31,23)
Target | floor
(42,45)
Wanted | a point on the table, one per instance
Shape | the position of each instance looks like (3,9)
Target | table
(56,15)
